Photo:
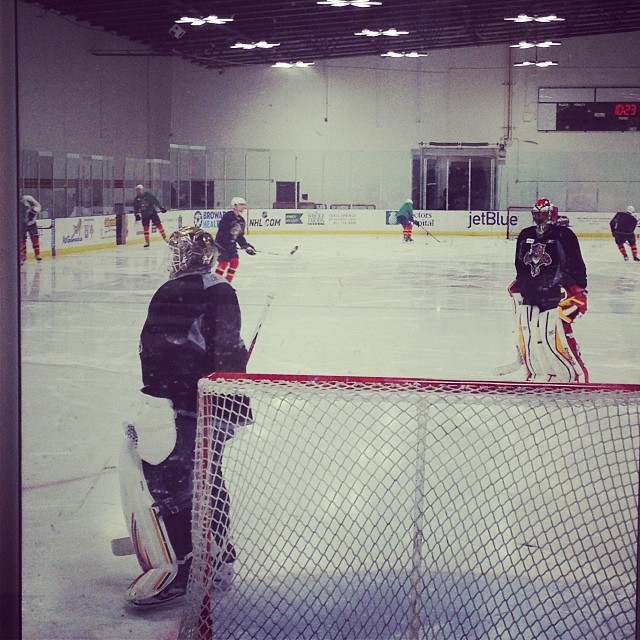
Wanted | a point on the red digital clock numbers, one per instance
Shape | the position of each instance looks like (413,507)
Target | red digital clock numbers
(625,109)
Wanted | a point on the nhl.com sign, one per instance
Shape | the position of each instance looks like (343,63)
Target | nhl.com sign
(265,220)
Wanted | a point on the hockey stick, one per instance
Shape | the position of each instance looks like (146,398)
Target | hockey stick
(506,369)
(426,231)
(272,253)
(261,320)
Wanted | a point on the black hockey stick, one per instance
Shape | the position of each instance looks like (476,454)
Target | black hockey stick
(425,230)
(273,253)
(263,315)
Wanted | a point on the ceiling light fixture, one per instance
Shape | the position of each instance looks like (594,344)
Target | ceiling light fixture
(288,65)
(411,54)
(523,44)
(255,45)
(372,33)
(537,63)
(349,3)
(196,22)
(523,17)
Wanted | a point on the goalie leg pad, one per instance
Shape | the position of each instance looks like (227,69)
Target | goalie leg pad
(146,528)
(525,332)
(550,355)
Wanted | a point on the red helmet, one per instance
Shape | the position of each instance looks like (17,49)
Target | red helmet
(542,213)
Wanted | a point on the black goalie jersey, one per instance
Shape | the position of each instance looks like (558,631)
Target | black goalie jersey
(192,329)
(545,265)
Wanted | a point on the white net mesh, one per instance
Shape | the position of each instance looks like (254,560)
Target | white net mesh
(371,509)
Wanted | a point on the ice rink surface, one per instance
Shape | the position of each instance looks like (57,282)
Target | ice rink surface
(348,305)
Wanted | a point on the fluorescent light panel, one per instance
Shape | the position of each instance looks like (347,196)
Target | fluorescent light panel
(372,33)
(523,17)
(196,22)
(255,45)
(410,54)
(350,3)
(289,65)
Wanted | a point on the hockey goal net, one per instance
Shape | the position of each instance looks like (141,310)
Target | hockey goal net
(518,218)
(370,508)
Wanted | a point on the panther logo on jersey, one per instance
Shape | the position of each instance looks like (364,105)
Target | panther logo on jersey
(537,258)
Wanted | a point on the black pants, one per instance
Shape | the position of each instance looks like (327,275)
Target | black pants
(171,485)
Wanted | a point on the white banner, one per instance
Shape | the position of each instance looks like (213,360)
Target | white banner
(75,234)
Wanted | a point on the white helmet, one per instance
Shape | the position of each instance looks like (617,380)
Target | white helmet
(235,201)
(140,186)
(630,209)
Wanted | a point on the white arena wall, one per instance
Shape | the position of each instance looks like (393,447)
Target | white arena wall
(66,235)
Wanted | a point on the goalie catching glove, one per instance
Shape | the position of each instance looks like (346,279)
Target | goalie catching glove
(514,291)
(574,304)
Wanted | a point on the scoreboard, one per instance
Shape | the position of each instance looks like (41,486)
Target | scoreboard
(597,116)
(589,109)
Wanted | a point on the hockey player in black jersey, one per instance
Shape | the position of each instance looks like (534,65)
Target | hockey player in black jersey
(145,206)
(623,226)
(230,236)
(192,329)
(550,287)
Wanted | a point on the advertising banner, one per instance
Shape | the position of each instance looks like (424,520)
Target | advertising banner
(86,232)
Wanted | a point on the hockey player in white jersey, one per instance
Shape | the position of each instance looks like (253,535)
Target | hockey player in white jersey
(192,329)
(551,293)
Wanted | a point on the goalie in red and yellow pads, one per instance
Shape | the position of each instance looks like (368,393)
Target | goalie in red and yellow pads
(550,291)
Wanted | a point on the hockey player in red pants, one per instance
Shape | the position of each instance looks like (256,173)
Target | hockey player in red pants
(230,236)
(192,329)
(404,217)
(623,226)
(144,207)
(29,210)
(550,291)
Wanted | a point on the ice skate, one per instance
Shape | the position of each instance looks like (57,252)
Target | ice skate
(175,590)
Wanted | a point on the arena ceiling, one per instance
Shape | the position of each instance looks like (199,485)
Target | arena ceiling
(311,31)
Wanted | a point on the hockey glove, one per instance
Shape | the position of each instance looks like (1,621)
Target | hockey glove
(416,223)
(514,292)
(163,210)
(574,304)
(138,217)
(250,250)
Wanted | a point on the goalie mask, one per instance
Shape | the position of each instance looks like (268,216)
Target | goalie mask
(542,214)
(191,250)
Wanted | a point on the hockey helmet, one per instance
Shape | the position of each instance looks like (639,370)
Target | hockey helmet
(631,209)
(236,201)
(542,214)
(191,250)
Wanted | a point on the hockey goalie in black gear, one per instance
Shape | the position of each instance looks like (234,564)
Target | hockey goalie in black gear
(192,329)
(550,289)
(623,227)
